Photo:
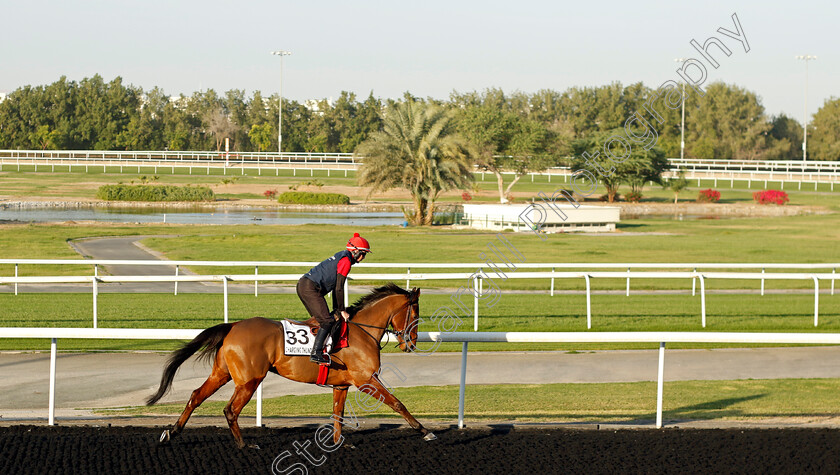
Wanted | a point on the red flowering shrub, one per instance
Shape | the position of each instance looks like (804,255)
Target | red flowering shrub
(270,194)
(633,197)
(770,196)
(708,196)
(466,196)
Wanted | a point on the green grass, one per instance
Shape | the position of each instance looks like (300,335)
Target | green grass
(513,312)
(63,184)
(803,399)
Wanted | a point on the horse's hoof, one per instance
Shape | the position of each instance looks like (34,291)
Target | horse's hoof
(164,437)
(253,446)
(348,445)
(429,436)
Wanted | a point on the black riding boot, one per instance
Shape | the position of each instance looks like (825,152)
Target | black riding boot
(317,355)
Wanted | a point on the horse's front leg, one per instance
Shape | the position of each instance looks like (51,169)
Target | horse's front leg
(339,398)
(375,388)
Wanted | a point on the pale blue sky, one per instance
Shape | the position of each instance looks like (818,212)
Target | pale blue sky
(429,49)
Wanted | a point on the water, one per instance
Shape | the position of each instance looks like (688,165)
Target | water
(199,216)
(676,217)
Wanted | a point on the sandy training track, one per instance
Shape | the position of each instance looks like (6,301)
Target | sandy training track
(502,449)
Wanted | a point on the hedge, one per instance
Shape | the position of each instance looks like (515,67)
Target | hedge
(309,198)
(154,193)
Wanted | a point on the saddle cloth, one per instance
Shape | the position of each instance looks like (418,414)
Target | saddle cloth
(299,338)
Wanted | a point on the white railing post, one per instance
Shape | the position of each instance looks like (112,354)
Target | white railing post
(95,300)
(660,380)
(816,300)
(588,303)
(259,404)
(16,275)
(225,287)
(51,403)
(256,282)
(694,284)
(408,278)
(833,272)
(463,386)
(176,282)
(628,283)
(551,294)
(475,302)
(762,282)
(346,293)
(703,300)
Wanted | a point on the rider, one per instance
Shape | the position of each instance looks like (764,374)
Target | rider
(329,276)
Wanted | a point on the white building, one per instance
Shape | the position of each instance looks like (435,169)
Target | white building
(547,217)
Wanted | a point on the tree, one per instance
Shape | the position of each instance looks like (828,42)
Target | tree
(785,138)
(505,142)
(418,150)
(676,184)
(633,166)
(220,126)
(44,137)
(731,120)
(826,128)
(261,136)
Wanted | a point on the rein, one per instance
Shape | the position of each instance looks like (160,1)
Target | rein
(385,328)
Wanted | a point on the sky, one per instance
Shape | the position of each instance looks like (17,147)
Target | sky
(429,49)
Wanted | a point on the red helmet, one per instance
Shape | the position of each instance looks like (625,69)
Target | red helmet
(358,243)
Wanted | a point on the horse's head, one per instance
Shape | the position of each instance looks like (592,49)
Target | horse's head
(405,321)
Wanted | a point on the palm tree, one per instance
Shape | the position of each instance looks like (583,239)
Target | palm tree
(416,150)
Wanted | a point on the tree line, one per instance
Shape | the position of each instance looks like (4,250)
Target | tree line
(728,122)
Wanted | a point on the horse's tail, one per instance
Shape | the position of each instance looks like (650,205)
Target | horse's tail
(209,341)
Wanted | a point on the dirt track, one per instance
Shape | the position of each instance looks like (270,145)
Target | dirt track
(40,449)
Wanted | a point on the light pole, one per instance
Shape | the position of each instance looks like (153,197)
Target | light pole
(806,58)
(280,53)
(682,124)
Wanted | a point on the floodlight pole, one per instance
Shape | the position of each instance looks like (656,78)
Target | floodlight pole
(280,53)
(682,124)
(806,58)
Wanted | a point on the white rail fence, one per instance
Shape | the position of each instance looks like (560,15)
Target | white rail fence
(464,337)
(475,280)
(768,171)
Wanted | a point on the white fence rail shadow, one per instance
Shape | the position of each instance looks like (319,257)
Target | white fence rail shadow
(54,334)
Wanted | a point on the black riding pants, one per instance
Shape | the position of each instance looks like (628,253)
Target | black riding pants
(316,305)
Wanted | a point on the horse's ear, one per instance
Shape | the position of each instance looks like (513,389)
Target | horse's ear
(415,294)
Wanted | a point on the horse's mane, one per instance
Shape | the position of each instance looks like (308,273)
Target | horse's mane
(377,294)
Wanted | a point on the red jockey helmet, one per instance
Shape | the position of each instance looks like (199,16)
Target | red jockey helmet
(358,243)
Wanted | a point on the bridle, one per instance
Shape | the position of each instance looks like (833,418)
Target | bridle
(398,334)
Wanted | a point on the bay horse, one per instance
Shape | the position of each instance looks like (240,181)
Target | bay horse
(247,350)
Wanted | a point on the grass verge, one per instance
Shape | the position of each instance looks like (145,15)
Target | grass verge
(804,399)
(513,312)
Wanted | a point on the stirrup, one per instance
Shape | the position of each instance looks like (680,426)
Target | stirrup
(321,359)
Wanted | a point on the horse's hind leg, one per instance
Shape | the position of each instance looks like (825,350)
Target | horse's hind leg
(375,388)
(339,398)
(218,378)
(241,395)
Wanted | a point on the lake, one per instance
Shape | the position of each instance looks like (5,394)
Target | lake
(199,216)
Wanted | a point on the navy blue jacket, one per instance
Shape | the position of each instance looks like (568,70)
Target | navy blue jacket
(326,276)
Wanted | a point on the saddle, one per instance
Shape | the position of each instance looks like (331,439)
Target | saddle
(338,333)
(299,336)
